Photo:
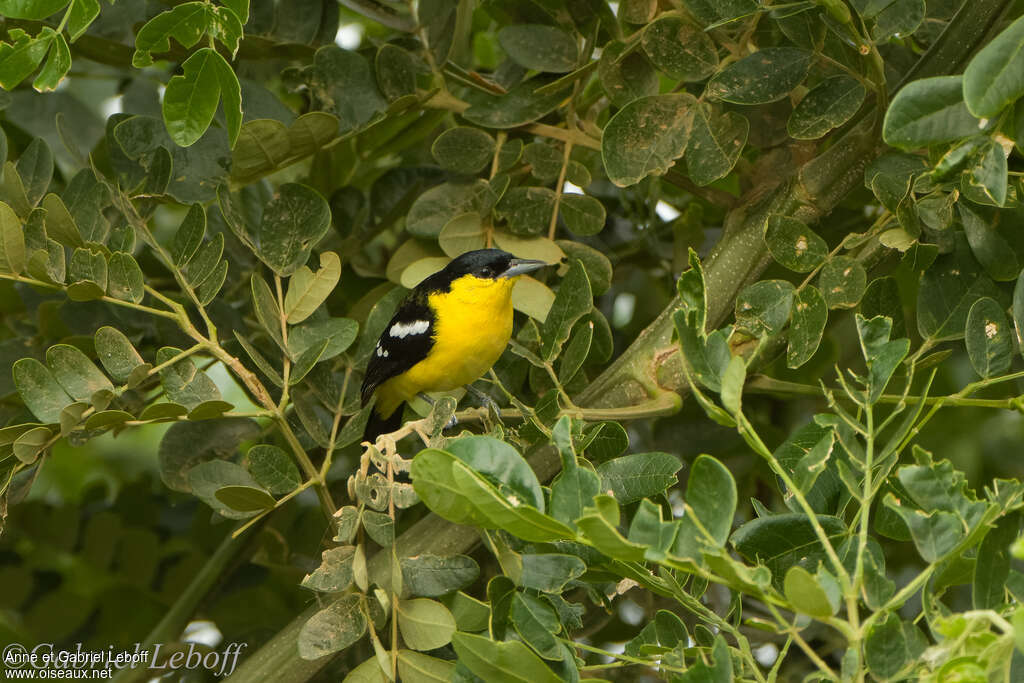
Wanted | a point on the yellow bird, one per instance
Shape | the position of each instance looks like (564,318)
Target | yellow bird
(447,333)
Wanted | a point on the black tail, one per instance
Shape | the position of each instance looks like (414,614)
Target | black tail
(378,425)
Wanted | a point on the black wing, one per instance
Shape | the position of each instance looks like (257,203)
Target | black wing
(405,341)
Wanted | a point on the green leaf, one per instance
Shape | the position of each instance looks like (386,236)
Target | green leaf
(710,507)
(948,290)
(928,111)
(501,661)
(646,136)
(293,223)
(30,444)
(733,377)
(432,576)
(828,105)
(230,90)
(342,84)
(334,573)
(784,540)
(545,160)
(500,462)
(307,290)
(59,223)
(83,13)
(58,62)
(539,47)
(396,72)
(994,77)
(625,74)
(763,308)
(339,333)
(190,100)
(463,149)
(681,50)
(549,572)
(764,76)
(986,181)
(124,278)
(805,594)
(992,570)
(35,166)
(987,244)
(881,355)
(899,18)
(463,233)
(435,484)
(573,301)
(716,141)
(415,667)
(245,498)
(433,209)
(571,491)
(225,26)
(793,244)
(204,264)
(12,242)
(273,469)
(597,265)
(119,357)
(719,671)
(842,282)
(183,382)
(636,476)
(39,390)
(583,215)
(87,270)
(425,624)
(33,9)
(186,23)
(536,623)
(73,370)
(891,645)
(526,210)
(19,60)
(988,338)
(189,236)
(333,628)
(522,104)
(810,314)
(187,444)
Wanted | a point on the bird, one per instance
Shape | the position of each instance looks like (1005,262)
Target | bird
(445,334)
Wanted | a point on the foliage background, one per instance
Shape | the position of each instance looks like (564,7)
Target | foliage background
(813,169)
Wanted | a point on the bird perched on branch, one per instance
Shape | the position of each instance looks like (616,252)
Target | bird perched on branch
(447,333)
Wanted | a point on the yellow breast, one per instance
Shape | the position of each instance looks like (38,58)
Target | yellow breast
(472,326)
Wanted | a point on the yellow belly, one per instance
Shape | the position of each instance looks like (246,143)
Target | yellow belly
(473,323)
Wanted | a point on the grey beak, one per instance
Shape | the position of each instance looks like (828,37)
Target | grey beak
(521,266)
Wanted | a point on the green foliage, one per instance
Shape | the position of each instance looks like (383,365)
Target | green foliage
(734,198)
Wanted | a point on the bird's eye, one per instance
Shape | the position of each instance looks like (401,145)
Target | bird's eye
(487,271)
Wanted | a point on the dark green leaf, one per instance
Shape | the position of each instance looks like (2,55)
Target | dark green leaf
(520,105)
(424,624)
(293,223)
(994,78)
(433,209)
(186,444)
(497,661)
(810,313)
(189,236)
(432,576)
(793,244)
(988,338)
(711,504)
(536,623)
(625,75)
(583,215)
(891,645)
(333,628)
(646,137)
(118,355)
(539,47)
(35,166)
(463,149)
(124,278)
(948,290)
(763,308)
(716,141)
(636,476)
(764,76)
(273,469)
(681,50)
(12,242)
(244,498)
(828,105)
(573,301)
(334,573)
(500,462)
(73,370)
(183,382)
(842,282)
(781,541)
(39,390)
(928,111)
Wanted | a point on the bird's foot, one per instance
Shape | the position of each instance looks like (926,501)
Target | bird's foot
(484,400)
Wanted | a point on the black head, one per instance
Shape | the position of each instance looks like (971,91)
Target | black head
(486,264)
